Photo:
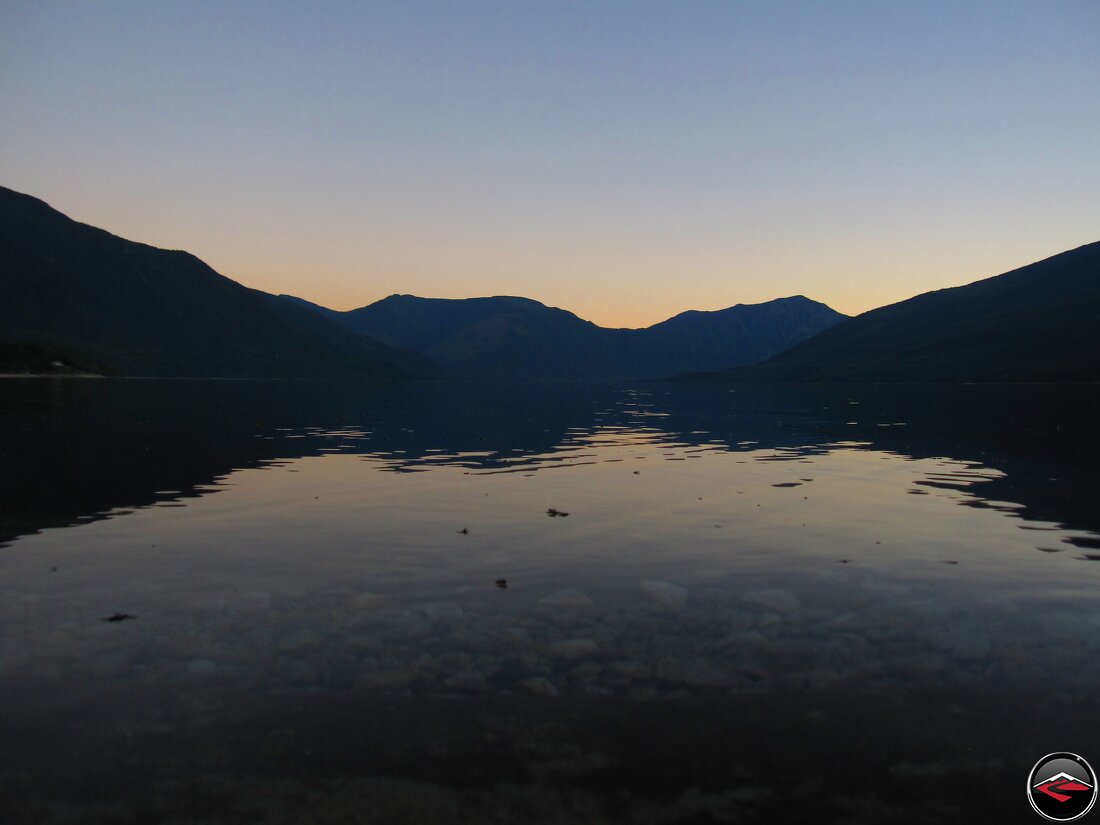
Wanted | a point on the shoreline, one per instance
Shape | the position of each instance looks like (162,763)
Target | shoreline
(50,375)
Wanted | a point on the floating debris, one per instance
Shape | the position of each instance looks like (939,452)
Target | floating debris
(502,583)
(553,512)
(118,617)
(465,531)
(788,484)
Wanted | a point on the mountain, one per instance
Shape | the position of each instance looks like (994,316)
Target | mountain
(508,337)
(1037,323)
(80,297)
(742,334)
(499,337)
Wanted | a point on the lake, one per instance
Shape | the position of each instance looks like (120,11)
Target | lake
(452,602)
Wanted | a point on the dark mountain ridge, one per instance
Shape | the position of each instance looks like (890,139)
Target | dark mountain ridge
(79,299)
(1038,323)
(97,302)
(510,337)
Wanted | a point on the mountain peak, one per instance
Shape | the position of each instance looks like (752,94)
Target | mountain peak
(148,311)
(133,309)
(510,336)
(1040,322)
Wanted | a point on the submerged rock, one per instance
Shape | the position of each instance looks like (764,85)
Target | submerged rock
(466,682)
(568,599)
(255,601)
(539,686)
(519,636)
(574,648)
(631,668)
(442,610)
(587,674)
(367,600)
(201,667)
(390,678)
(298,641)
(769,618)
(643,693)
(300,673)
(779,601)
(669,596)
(701,673)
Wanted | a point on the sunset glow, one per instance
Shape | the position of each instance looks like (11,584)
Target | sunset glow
(625,161)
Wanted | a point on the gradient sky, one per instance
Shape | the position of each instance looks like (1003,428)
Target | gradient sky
(625,161)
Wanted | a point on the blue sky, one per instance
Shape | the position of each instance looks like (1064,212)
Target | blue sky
(625,161)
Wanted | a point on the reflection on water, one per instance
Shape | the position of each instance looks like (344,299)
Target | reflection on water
(460,602)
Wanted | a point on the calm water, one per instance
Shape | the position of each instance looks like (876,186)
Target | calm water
(355,603)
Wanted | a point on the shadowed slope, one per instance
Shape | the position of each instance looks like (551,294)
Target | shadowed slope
(508,337)
(96,301)
(1037,323)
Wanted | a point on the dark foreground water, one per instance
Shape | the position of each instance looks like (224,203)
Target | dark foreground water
(441,602)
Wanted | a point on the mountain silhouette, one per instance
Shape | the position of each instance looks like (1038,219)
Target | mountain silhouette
(1038,323)
(510,337)
(77,298)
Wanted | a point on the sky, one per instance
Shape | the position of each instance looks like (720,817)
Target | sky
(622,160)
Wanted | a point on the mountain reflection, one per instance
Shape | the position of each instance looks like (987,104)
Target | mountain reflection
(75,451)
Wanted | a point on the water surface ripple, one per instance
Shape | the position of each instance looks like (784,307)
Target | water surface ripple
(485,602)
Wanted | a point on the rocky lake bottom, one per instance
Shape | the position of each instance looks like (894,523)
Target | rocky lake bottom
(221,603)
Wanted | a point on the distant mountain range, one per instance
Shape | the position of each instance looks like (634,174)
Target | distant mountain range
(1037,323)
(77,298)
(505,337)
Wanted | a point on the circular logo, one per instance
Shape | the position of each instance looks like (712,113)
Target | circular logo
(1061,787)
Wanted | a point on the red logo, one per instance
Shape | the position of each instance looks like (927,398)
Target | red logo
(1062,787)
